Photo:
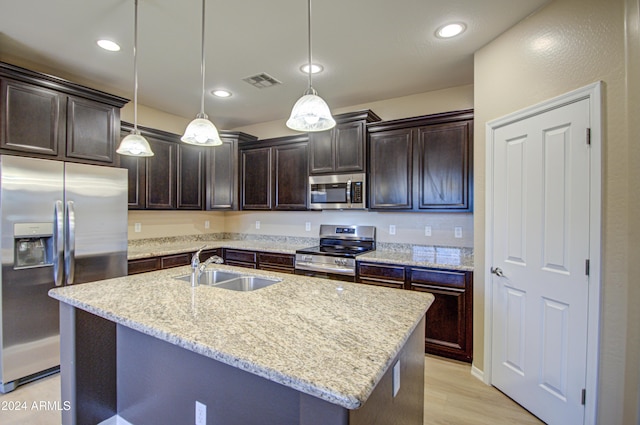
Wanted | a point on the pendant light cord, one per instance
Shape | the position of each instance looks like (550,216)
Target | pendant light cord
(202,62)
(309,38)
(135,69)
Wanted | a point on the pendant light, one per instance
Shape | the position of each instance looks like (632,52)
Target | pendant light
(201,131)
(310,112)
(134,144)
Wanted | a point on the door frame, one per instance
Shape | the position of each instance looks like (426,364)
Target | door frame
(593,92)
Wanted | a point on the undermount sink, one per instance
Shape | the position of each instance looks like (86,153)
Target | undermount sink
(247,283)
(231,281)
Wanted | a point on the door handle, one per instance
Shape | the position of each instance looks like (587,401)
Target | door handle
(497,271)
(58,243)
(70,244)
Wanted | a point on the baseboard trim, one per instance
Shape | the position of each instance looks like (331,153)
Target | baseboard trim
(479,374)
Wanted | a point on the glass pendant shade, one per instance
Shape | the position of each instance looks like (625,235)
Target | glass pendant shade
(201,132)
(310,113)
(134,145)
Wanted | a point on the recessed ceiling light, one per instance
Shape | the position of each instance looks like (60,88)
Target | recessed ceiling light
(315,68)
(221,93)
(108,45)
(451,30)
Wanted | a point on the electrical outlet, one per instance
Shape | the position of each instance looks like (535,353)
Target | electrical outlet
(427,230)
(307,226)
(137,227)
(457,232)
(257,224)
(392,229)
(207,224)
(396,378)
(201,413)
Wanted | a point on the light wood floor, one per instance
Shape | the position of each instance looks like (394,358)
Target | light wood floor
(452,397)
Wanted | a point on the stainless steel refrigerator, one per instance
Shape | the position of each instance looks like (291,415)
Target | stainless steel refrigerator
(61,224)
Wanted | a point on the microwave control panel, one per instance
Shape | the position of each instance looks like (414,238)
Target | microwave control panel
(356,197)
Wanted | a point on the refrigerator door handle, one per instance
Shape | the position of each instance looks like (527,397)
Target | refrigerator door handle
(58,243)
(70,244)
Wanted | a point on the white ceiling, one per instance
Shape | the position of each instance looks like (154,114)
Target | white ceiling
(371,49)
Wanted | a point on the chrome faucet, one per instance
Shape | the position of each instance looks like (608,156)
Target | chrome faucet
(197,267)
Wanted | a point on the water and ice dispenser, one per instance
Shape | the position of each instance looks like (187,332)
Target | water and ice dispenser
(33,245)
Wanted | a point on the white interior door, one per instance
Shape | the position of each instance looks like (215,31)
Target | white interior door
(540,232)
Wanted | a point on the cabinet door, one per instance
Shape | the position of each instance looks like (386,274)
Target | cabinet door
(391,172)
(136,167)
(443,168)
(292,176)
(92,129)
(190,177)
(222,176)
(449,329)
(321,152)
(161,175)
(32,119)
(349,147)
(256,179)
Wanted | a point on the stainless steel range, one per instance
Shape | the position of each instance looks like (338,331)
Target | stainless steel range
(335,257)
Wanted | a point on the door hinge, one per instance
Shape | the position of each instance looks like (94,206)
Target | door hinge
(588,136)
(584,396)
(587,266)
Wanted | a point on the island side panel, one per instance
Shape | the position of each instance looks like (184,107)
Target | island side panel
(159,383)
(87,366)
(407,407)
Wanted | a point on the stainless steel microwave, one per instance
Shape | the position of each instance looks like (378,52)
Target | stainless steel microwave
(337,192)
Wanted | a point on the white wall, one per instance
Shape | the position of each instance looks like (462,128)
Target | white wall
(566,45)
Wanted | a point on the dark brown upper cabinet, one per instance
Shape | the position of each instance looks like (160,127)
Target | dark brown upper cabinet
(422,163)
(48,117)
(343,148)
(256,185)
(274,174)
(221,171)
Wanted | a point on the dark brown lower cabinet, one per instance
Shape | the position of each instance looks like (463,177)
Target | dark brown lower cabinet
(449,330)
(381,275)
(241,258)
(276,262)
(143,265)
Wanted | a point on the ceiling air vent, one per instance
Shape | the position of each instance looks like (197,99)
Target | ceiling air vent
(262,80)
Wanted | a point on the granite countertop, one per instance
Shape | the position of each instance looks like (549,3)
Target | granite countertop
(404,254)
(302,332)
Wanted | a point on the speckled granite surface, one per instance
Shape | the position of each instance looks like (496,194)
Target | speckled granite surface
(302,332)
(405,254)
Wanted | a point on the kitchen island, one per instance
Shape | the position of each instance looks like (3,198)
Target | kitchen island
(310,351)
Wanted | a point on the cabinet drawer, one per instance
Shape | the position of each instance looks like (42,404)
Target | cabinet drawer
(240,255)
(175,260)
(381,271)
(449,279)
(381,275)
(241,264)
(209,253)
(143,265)
(278,269)
(280,260)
